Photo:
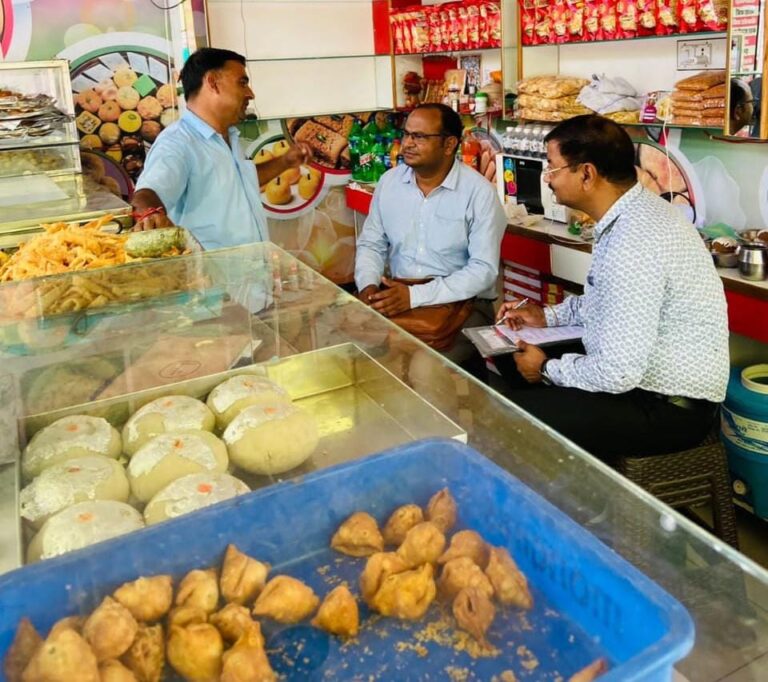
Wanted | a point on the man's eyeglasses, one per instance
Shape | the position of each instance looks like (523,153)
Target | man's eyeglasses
(418,138)
(547,172)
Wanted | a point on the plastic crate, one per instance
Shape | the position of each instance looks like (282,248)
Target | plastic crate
(589,602)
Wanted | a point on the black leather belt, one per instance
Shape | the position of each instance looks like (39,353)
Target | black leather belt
(685,402)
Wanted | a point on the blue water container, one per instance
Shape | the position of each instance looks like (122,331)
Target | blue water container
(588,601)
(744,432)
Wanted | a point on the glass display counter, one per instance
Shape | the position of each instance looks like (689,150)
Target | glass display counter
(256,309)
(40,168)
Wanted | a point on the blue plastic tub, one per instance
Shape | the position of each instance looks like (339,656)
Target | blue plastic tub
(589,602)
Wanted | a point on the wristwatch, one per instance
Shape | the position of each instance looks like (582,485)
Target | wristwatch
(545,378)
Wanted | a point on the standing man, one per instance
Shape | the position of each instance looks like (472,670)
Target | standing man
(196,175)
(654,363)
(432,218)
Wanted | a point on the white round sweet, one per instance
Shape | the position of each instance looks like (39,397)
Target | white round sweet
(81,525)
(76,480)
(169,413)
(69,437)
(190,493)
(271,439)
(232,396)
(172,455)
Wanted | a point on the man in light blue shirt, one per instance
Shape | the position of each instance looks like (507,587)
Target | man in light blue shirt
(196,175)
(432,218)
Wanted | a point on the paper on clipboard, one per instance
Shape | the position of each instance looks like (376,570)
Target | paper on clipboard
(500,339)
(542,336)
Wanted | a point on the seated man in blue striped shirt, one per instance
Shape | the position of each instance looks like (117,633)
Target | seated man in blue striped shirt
(435,218)
(654,363)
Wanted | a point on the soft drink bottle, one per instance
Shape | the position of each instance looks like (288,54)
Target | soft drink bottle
(380,158)
(355,138)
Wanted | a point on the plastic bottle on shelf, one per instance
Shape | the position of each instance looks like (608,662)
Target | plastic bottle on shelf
(535,141)
(518,135)
(355,139)
(508,140)
(525,140)
(379,152)
(394,152)
(470,150)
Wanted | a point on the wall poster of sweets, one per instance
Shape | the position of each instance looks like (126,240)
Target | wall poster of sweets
(125,95)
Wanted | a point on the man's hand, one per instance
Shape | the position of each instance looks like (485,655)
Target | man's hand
(529,315)
(153,222)
(529,360)
(299,153)
(392,300)
(365,294)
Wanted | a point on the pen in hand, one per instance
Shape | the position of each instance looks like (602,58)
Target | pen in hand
(520,303)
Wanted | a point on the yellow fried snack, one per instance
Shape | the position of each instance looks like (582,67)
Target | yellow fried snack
(286,600)
(400,522)
(186,615)
(199,589)
(591,672)
(441,510)
(25,643)
(474,612)
(110,630)
(69,623)
(377,569)
(146,657)
(195,652)
(148,599)
(358,536)
(114,671)
(460,573)
(423,544)
(232,621)
(406,595)
(247,661)
(63,657)
(338,614)
(466,543)
(242,577)
(509,583)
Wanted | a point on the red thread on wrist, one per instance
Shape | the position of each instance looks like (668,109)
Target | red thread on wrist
(138,216)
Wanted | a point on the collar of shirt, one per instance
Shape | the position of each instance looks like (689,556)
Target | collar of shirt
(205,129)
(449,182)
(616,210)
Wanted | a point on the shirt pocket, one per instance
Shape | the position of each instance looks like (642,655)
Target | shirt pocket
(450,234)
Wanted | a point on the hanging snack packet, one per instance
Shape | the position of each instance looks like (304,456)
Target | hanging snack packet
(686,16)
(473,26)
(528,24)
(559,12)
(647,17)
(494,24)
(576,21)
(707,15)
(626,15)
(666,17)
(608,20)
(592,29)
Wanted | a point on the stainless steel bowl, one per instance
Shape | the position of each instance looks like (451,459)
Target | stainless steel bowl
(753,262)
(726,260)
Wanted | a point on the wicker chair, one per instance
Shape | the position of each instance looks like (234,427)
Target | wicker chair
(687,479)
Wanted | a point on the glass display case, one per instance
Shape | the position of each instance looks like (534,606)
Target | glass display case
(40,168)
(369,387)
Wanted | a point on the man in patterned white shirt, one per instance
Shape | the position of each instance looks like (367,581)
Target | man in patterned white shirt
(654,362)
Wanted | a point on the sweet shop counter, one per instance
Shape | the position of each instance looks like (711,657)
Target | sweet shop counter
(270,391)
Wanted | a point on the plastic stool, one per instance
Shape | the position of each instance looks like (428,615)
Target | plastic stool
(690,478)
